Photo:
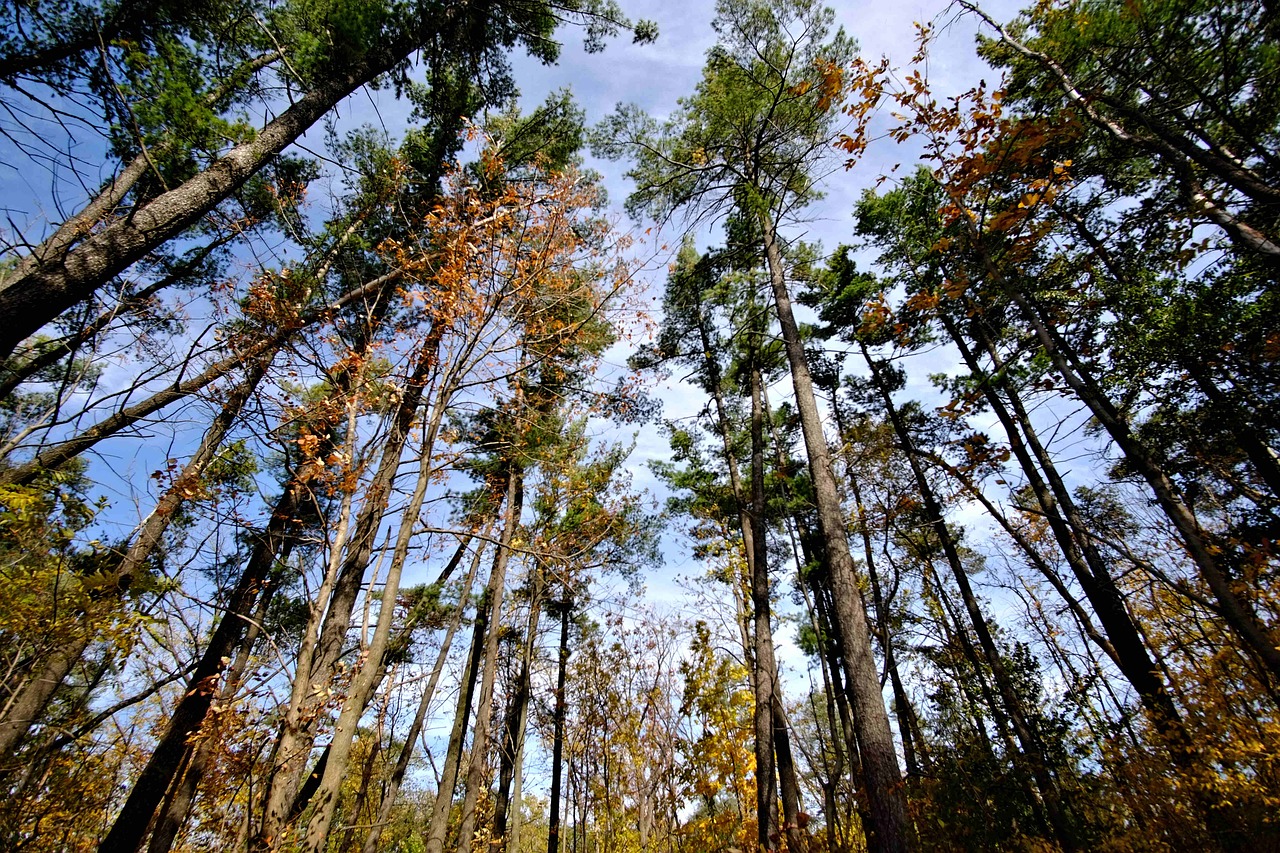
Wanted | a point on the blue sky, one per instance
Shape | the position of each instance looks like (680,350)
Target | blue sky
(656,76)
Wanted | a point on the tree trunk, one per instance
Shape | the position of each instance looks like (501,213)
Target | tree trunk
(955,636)
(557,728)
(516,819)
(765,669)
(362,795)
(1124,643)
(1236,610)
(392,789)
(30,700)
(484,708)
(181,797)
(889,830)
(331,615)
(901,702)
(30,361)
(788,783)
(58,454)
(1054,804)
(370,673)
(42,287)
(130,827)
(511,745)
(438,826)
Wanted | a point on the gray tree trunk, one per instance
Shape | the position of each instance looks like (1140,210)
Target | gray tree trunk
(889,830)
(478,759)
(392,789)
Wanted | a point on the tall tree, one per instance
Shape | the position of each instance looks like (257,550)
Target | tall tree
(749,138)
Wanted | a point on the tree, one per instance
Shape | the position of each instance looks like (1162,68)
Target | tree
(325,54)
(1156,81)
(699,291)
(1047,280)
(895,221)
(749,138)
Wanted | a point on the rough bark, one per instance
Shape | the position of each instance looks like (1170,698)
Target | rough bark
(901,702)
(30,300)
(889,830)
(794,820)
(30,361)
(765,669)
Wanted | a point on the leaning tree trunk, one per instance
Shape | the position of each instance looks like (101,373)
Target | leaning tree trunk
(46,283)
(367,677)
(331,615)
(889,830)
(485,632)
(1051,795)
(1237,610)
(392,788)
(251,351)
(131,825)
(1123,643)
(1055,501)
(30,700)
(182,795)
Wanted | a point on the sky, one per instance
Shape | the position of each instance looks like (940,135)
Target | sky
(655,76)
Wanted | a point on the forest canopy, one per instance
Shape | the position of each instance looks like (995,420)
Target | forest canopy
(322,521)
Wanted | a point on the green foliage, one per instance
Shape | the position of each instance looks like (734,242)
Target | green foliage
(1190,66)
(585,515)
(551,137)
(761,117)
